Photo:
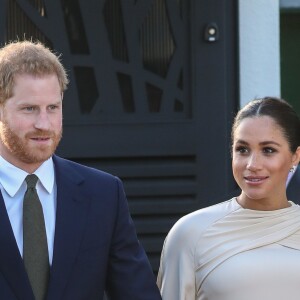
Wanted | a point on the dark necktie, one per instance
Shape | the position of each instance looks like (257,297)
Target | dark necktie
(35,249)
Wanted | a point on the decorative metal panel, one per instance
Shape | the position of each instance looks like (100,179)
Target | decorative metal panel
(126,59)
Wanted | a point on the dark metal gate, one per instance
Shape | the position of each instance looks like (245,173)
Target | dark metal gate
(152,94)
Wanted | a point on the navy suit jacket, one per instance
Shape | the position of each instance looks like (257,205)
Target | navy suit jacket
(293,188)
(95,245)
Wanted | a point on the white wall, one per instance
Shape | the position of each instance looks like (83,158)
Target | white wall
(259,49)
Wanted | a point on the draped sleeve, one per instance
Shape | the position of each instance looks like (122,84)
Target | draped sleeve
(177,273)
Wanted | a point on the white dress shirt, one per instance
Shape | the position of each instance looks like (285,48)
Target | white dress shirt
(13,188)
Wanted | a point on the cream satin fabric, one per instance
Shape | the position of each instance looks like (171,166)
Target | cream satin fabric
(201,241)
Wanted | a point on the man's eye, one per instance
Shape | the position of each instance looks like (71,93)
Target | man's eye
(29,108)
(53,107)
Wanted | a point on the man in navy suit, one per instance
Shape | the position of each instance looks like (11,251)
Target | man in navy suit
(91,243)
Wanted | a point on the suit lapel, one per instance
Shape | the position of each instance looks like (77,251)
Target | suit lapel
(71,213)
(11,262)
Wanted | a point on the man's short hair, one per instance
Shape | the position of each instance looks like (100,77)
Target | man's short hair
(26,57)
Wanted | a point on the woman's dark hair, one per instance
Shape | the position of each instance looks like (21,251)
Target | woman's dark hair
(280,111)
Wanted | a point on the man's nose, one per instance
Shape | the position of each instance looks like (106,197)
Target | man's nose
(42,121)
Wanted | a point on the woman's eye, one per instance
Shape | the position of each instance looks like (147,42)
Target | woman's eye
(269,150)
(242,150)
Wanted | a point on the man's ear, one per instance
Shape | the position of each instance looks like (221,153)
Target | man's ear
(2,109)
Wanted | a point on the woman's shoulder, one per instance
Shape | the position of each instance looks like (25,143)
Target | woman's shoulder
(180,247)
(192,225)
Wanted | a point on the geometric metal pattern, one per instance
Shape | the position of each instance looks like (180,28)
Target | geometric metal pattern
(126,58)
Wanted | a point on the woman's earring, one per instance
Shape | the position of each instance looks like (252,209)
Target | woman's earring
(293,169)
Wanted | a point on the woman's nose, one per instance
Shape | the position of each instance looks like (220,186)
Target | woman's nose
(254,162)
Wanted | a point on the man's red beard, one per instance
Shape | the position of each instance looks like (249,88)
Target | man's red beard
(20,148)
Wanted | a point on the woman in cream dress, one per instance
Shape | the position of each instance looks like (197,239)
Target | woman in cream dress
(246,248)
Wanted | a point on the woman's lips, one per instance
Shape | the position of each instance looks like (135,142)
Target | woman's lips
(255,179)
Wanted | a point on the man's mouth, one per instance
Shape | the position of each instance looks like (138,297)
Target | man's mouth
(40,138)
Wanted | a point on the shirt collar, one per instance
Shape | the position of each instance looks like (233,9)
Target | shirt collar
(11,177)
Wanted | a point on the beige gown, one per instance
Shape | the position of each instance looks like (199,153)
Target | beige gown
(226,252)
